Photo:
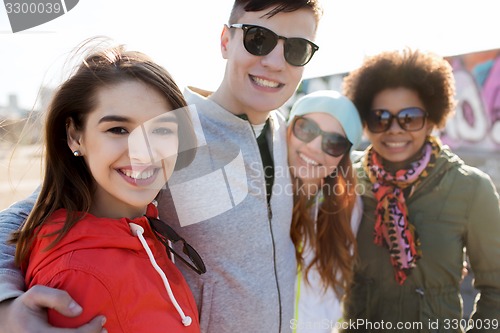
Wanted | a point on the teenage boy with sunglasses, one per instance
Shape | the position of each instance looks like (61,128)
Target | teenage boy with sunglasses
(245,244)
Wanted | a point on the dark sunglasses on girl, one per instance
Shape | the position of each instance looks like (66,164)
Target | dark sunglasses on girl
(332,144)
(410,119)
(260,41)
(165,233)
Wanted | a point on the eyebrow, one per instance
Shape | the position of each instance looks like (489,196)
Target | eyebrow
(158,119)
(165,119)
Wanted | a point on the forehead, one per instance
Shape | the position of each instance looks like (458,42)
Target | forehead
(300,23)
(395,99)
(131,99)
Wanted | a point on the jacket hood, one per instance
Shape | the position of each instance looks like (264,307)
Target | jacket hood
(99,233)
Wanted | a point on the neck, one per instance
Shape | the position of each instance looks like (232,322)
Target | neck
(255,117)
(116,212)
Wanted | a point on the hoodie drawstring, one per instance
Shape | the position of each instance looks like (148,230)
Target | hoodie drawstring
(137,230)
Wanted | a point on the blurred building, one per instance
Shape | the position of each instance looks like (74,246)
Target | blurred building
(12,109)
(19,125)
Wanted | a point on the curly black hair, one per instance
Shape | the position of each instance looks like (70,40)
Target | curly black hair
(426,73)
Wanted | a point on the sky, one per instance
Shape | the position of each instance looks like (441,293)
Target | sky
(183,36)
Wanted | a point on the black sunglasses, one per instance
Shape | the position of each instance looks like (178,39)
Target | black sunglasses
(165,233)
(332,144)
(260,41)
(410,119)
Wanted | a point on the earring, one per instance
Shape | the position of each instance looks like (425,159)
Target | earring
(77,153)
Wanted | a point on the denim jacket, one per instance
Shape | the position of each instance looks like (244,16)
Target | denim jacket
(11,279)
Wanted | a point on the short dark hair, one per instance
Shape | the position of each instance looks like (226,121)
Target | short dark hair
(278,6)
(426,73)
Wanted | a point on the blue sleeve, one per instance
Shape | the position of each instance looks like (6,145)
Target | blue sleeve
(11,279)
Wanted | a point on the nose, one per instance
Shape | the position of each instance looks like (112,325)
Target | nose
(275,60)
(315,145)
(139,147)
(395,127)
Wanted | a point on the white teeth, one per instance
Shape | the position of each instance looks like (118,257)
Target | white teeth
(308,160)
(265,83)
(395,144)
(138,174)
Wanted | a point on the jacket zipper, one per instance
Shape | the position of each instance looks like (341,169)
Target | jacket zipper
(270,216)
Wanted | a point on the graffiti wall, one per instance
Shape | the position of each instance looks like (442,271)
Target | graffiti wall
(477,116)
(474,130)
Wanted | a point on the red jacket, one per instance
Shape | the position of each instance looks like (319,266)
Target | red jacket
(105,268)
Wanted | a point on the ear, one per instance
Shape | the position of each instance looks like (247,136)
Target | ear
(73,136)
(225,38)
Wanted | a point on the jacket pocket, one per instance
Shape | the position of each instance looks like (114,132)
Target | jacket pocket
(439,311)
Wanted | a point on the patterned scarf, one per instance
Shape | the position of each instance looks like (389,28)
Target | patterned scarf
(392,226)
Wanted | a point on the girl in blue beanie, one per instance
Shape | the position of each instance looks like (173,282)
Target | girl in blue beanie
(323,128)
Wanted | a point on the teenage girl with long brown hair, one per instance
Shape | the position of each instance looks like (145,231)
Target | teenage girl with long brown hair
(114,133)
(324,126)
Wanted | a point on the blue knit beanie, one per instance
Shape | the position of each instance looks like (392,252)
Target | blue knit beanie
(335,104)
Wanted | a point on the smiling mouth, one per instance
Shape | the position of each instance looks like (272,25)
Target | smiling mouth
(139,175)
(265,83)
(309,161)
(142,178)
(395,144)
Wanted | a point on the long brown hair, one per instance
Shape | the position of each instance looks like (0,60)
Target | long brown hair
(67,181)
(330,237)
